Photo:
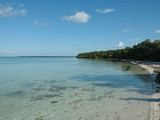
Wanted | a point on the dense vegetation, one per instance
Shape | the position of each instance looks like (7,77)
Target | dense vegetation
(158,78)
(145,50)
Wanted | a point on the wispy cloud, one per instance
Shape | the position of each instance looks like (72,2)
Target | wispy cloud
(46,24)
(136,39)
(7,11)
(157,31)
(36,22)
(120,44)
(4,52)
(7,52)
(21,5)
(126,30)
(108,10)
(79,17)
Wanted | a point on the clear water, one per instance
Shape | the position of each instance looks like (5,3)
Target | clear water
(67,88)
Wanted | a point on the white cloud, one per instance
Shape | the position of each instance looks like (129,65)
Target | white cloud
(7,11)
(36,23)
(120,44)
(126,30)
(157,31)
(22,12)
(136,39)
(79,17)
(108,10)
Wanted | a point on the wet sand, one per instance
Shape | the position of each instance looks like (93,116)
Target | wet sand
(152,67)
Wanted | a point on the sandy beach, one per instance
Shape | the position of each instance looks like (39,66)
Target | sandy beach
(152,67)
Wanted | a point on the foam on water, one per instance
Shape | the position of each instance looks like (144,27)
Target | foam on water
(67,88)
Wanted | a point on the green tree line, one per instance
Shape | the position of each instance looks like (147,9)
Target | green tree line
(145,50)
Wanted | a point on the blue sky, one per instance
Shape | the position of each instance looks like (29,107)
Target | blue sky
(69,27)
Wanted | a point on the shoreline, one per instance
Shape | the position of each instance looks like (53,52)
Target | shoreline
(152,67)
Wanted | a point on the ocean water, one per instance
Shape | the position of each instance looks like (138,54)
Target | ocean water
(67,88)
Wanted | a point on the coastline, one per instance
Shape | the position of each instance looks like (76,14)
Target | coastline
(152,67)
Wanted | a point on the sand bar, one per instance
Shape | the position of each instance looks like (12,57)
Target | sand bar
(151,67)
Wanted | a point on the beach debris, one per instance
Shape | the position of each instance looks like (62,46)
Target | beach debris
(157,71)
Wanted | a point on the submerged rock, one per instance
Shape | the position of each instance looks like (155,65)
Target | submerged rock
(158,78)
(54,102)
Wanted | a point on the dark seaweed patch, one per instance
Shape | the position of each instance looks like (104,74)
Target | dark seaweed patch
(54,102)
(88,90)
(98,98)
(20,92)
(28,85)
(127,68)
(57,88)
(41,97)
(60,88)
(76,101)
(39,89)
(51,81)
(103,84)
(15,93)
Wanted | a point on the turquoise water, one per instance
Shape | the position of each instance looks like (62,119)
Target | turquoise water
(67,88)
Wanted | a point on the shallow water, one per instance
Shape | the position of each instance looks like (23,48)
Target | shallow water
(67,88)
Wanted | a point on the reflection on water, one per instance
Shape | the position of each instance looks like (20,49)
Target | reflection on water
(38,88)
